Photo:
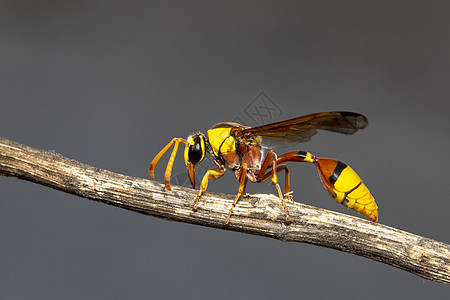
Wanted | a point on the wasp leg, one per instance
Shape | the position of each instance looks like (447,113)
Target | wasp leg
(210,174)
(155,161)
(287,191)
(242,183)
(271,160)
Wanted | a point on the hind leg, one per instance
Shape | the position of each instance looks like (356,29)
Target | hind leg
(271,161)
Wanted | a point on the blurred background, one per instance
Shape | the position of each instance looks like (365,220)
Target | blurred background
(109,83)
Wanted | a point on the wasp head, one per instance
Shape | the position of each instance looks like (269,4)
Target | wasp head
(194,153)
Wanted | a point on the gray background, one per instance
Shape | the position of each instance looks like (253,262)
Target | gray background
(109,83)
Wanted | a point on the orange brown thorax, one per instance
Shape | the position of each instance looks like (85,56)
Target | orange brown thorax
(232,151)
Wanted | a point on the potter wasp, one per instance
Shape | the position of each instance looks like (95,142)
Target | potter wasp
(240,149)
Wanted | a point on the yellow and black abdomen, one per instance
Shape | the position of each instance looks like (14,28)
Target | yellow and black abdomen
(345,186)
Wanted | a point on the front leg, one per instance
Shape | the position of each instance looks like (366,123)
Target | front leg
(210,174)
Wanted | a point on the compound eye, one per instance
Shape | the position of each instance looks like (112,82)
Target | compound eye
(195,153)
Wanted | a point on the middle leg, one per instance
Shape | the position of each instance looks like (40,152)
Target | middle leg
(242,184)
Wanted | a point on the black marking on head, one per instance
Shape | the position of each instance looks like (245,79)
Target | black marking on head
(195,152)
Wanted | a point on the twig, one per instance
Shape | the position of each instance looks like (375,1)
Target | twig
(257,214)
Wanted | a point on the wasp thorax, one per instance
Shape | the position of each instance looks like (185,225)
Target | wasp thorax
(195,152)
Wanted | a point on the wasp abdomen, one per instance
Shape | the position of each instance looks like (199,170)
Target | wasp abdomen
(345,186)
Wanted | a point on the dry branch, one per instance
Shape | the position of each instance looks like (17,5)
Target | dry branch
(257,214)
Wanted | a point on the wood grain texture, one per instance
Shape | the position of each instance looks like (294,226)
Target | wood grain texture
(259,214)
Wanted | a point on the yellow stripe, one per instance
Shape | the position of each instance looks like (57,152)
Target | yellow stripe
(352,193)
(347,180)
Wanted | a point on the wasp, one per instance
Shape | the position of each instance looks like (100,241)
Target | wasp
(240,149)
